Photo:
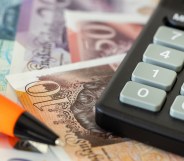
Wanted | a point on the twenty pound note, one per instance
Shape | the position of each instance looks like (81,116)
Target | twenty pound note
(95,35)
(64,98)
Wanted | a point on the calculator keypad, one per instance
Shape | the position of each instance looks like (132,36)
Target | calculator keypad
(154,76)
(157,74)
(142,96)
(140,110)
(165,57)
(170,37)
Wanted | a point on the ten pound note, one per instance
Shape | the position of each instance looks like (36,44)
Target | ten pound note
(64,98)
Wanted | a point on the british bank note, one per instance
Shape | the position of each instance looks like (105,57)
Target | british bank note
(64,98)
(41,34)
(42,40)
(98,35)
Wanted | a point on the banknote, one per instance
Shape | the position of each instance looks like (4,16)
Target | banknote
(42,31)
(64,98)
(100,35)
(9,14)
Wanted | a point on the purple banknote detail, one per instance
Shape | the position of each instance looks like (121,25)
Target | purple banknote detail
(42,31)
(24,19)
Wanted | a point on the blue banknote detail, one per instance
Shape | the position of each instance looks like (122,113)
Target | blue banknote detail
(6,50)
(7,56)
(9,14)
(3,81)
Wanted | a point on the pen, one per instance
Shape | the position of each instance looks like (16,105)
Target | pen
(15,121)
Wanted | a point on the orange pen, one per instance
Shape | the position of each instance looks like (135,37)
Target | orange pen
(15,121)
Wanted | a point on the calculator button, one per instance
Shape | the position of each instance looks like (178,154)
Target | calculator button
(142,96)
(154,76)
(164,57)
(175,20)
(182,90)
(170,37)
(177,108)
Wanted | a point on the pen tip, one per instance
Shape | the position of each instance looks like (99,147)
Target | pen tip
(59,142)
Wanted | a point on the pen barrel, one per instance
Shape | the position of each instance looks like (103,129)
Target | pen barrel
(9,114)
(29,128)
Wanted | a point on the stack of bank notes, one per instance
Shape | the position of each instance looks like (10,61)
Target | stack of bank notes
(56,58)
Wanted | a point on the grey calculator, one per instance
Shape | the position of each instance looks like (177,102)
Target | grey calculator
(145,98)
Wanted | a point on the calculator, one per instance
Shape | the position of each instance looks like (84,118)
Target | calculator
(145,98)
